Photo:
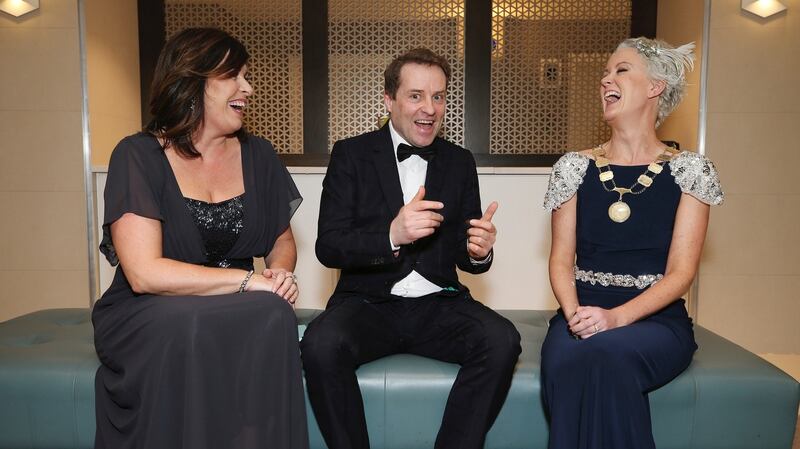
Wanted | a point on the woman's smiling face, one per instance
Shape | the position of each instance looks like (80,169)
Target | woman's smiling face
(626,87)
(224,102)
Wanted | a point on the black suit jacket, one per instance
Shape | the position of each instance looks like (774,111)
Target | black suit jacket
(361,195)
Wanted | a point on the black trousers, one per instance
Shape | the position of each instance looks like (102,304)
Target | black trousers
(353,331)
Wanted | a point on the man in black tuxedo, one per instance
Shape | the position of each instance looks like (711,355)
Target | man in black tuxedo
(400,210)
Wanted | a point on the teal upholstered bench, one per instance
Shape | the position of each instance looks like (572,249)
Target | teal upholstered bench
(728,398)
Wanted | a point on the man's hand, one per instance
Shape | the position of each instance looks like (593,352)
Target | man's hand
(415,220)
(482,234)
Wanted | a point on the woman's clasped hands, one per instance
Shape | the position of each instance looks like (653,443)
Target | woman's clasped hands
(276,280)
(587,321)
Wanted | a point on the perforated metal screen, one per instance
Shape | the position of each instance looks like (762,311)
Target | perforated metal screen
(547,61)
(364,37)
(272,32)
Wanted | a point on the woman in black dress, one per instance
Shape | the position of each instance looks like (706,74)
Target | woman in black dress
(629,221)
(197,350)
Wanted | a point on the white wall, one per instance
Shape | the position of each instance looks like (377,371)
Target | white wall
(750,272)
(43,244)
(517,280)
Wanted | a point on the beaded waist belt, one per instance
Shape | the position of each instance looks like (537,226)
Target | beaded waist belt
(617,280)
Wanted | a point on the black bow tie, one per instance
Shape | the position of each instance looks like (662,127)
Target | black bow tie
(406,151)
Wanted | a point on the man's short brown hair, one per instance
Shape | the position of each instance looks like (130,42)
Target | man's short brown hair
(391,76)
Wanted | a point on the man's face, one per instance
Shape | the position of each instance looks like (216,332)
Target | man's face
(417,110)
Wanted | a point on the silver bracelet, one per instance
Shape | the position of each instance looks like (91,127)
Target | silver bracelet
(245,281)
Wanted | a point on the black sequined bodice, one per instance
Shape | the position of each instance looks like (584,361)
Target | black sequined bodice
(220,225)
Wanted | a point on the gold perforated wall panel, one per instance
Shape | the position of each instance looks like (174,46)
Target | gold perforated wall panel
(364,37)
(547,61)
(272,32)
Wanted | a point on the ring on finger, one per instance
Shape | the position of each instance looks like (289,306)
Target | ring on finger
(596,329)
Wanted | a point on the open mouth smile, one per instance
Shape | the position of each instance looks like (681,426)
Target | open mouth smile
(424,123)
(238,105)
(612,96)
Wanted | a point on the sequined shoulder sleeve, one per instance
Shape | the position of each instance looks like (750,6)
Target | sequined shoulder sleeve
(697,176)
(566,177)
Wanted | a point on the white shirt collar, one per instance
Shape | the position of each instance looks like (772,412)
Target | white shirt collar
(397,139)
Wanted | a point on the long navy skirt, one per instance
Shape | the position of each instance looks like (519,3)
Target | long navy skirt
(595,390)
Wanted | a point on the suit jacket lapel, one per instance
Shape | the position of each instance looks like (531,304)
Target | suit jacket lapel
(386,167)
(437,169)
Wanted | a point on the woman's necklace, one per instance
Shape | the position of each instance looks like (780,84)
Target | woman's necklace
(619,211)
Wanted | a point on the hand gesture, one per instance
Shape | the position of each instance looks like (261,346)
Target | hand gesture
(482,234)
(415,220)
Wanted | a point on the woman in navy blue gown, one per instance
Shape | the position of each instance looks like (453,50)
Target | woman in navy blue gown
(629,220)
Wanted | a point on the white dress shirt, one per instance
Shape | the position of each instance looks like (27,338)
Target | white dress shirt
(412,173)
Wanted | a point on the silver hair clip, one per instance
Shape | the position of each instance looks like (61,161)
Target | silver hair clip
(646,49)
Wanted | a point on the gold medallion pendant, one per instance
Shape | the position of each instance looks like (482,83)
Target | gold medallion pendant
(619,212)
